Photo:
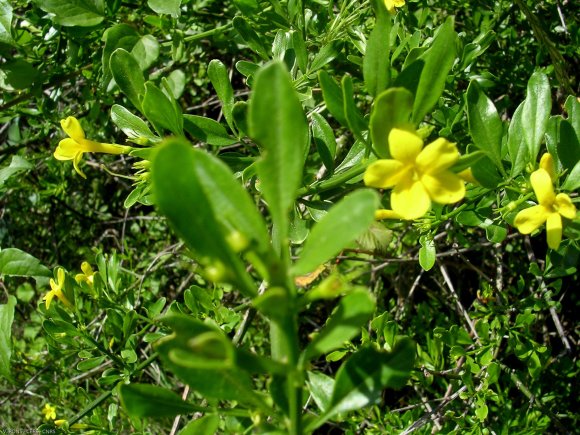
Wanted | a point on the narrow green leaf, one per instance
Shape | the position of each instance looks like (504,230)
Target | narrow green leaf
(218,75)
(572,106)
(323,137)
(216,206)
(15,262)
(118,36)
(145,400)
(438,62)
(518,152)
(568,145)
(160,111)
(332,94)
(207,130)
(17,165)
(427,253)
(485,125)
(345,221)
(391,109)
(536,112)
(133,126)
(128,76)
(146,51)
(320,386)
(5,22)
(83,13)
(353,311)
(167,7)
(354,119)
(207,425)
(300,49)
(376,63)
(6,319)
(326,55)
(250,37)
(277,123)
(573,179)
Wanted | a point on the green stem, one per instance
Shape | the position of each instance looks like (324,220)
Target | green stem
(336,181)
(205,34)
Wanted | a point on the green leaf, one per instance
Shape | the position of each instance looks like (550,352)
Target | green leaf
(427,253)
(320,386)
(353,311)
(332,94)
(362,378)
(572,106)
(438,62)
(485,125)
(573,179)
(485,172)
(160,111)
(325,55)
(167,7)
(19,74)
(128,76)
(216,208)
(5,22)
(83,13)
(517,149)
(184,352)
(146,51)
(341,226)
(536,112)
(277,123)
(354,119)
(376,63)
(145,400)
(119,36)
(250,37)
(568,146)
(218,75)
(323,137)
(6,319)
(207,425)
(17,164)
(207,130)
(90,363)
(392,109)
(14,262)
(133,126)
(300,49)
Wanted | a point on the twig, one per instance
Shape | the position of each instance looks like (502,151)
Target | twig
(176,421)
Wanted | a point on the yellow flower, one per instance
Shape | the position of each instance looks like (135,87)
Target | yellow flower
(550,209)
(56,290)
(73,147)
(392,4)
(87,276)
(49,411)
(419,175)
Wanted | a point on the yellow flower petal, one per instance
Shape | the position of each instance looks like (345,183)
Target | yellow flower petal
(386,214)
(67,149)
(564,206)
(48,297)
(404,145)
(543,188)
(384,173)
(76,162)
(547,164)
(467,175)
(530,219)
(554,230)
(410,200)
(444,187)
(72,127)
(437,156)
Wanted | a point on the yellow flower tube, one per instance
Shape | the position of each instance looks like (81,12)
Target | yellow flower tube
(73,147)
(392,4)
(56,290)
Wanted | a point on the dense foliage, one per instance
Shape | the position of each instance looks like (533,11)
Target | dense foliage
(289,216)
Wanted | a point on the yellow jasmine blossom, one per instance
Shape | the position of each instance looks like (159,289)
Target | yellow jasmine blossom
(417,175)
(550,209)
(49,411)
(59,423)
(56,290)
(392,4)
(73,147)
(87,276)
(386,214)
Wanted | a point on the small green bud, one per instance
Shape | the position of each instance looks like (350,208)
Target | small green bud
(237,241)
